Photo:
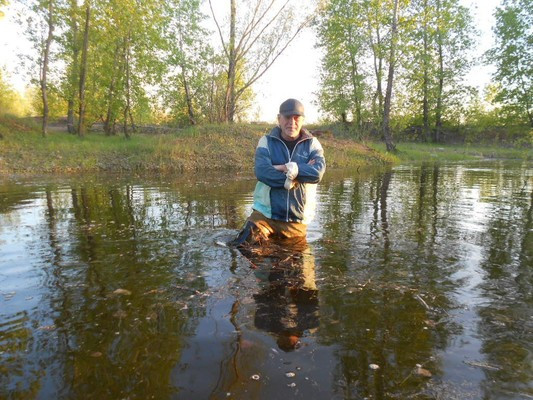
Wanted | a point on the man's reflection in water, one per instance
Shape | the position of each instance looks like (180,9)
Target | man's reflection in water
(287,303)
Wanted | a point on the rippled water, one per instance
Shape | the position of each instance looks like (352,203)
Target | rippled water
(415,283)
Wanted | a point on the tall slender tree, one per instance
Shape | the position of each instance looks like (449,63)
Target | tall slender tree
(45,65)
(83,71)
(387,134)
(70,45)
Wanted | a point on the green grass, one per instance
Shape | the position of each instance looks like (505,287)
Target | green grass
(204,148)
(207,147)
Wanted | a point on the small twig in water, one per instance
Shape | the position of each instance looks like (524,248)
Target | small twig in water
(421,300)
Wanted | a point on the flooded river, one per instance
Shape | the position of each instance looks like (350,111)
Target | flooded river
(415,283)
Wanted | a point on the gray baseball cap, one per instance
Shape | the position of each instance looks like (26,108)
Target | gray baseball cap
(291,107)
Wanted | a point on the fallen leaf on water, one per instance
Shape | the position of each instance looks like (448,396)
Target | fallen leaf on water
(96,354)
(423,372)
(153,291)
(122,291)
(246,344)
(120,314)
(47,327)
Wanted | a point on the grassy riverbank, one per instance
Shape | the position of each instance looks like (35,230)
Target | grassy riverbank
(209,147)
(205,148)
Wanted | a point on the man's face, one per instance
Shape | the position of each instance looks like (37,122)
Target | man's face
(290,126)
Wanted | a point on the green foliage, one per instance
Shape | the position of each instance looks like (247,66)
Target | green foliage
(189,84)
(10,101)
(342,33)
(434,37)
(140,57)
(513,57)
(442,31)
(56,103)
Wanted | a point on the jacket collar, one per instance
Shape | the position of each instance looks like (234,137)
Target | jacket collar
(304,133)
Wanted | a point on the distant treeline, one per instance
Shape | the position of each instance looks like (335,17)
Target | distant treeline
(422,49)
(389,67)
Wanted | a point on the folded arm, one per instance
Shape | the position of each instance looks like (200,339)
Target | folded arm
(264,170)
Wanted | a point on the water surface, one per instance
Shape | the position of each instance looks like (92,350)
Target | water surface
(415,283)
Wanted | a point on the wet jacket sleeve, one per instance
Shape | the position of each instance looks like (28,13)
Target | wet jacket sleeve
(313,173)
(264,170)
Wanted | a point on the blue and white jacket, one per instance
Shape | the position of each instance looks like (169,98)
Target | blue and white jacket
(271,198)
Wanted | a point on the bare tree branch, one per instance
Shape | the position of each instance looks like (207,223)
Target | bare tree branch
(259,73)
(247,47)
(219,30)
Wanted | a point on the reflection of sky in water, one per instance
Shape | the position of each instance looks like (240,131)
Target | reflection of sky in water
(15,238)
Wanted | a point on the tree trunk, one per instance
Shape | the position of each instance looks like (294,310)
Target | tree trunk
(83,71)
(183,66)
(528,111)
(128,94)
(388,94)
(232,67)
(438,110)
(344,118)
(425,83)
(44,71)
(70,116)
(74,69)
(378,70)
(356,91)
(188,98)
(109,123)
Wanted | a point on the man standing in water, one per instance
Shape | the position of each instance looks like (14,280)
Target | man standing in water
(289,162)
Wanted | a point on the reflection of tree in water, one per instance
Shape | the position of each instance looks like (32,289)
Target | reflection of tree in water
(16,338)
(386,297)
(287,301)
(507,318)
(94,240)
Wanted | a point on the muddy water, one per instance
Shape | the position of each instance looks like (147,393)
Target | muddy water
(415,283)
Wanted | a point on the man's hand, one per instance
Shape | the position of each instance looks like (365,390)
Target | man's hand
(283,167)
